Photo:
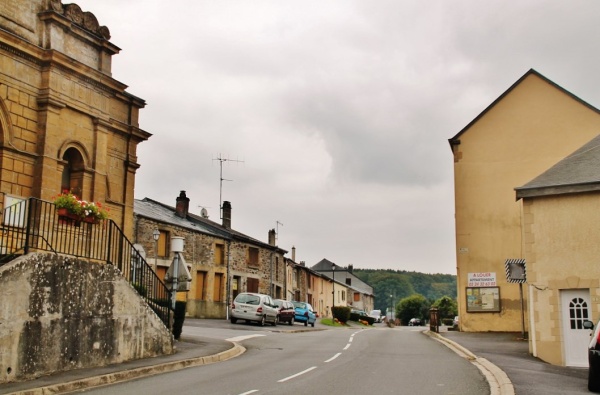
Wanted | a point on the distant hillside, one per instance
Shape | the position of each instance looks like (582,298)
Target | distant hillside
(401,284)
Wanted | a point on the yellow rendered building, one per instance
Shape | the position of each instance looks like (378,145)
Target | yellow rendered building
(529,128)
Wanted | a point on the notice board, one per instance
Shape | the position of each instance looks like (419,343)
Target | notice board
(483,299)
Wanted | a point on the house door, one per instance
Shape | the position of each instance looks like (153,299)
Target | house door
(575,303)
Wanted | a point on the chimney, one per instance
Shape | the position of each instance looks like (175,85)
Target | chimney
(227,214)
(272,237)
(182,206)
(350,268)
(294,254)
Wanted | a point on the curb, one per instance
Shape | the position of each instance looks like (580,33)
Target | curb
(131,374)
(498,381)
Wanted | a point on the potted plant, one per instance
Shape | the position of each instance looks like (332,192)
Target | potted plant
(68,205)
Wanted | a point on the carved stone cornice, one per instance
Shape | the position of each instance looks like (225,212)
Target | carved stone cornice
(75,14)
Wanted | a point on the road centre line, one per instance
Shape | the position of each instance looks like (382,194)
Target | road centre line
(347,346)
(350,340)
(249,392)
(297,374)
(334,357)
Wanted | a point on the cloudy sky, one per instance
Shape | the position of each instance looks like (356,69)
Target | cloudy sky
(334,115)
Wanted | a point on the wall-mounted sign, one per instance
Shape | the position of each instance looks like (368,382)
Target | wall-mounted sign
(484,279)
(483,300)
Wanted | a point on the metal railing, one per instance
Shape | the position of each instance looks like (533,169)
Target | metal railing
(35,225)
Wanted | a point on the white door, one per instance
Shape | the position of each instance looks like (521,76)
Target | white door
(575,304)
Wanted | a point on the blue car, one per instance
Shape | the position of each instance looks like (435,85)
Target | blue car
(305,313)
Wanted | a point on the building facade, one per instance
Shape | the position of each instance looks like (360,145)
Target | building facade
(65,123)
(561,224)
(529,128)
(222,262)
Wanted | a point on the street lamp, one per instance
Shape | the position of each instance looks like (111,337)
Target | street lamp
(333,293)
(155,236)
(392,307)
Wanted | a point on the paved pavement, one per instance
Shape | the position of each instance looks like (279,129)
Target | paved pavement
(502,357)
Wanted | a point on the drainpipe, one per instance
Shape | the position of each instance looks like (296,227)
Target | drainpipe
(532,323)
(228,285)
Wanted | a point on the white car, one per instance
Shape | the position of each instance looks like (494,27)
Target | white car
(377,315)
(255,307)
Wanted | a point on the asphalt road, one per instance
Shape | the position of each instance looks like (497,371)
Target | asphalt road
(292,360)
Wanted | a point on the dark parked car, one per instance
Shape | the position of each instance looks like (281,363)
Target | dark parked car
(305,313)
(287,312)
(593,357)
(253,307)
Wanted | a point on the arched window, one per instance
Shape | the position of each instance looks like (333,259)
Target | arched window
(72,176)
(578,312)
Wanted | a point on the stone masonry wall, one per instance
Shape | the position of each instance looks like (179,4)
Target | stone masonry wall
(58,313)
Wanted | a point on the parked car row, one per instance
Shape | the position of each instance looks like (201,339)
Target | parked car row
(261,308)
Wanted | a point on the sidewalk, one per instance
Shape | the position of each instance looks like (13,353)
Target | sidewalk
(507,356)
(190,352)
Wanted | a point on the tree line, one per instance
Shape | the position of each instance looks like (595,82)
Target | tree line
(391,287)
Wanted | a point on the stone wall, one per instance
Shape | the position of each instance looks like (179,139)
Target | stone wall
(58,313)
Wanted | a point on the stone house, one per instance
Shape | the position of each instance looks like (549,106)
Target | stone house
(561,224)
(529,128)
(222,262)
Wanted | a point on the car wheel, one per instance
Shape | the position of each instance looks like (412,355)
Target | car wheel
(233,320)
(313,324)
(275,321)
(291,321)
(262,321)
(306,323)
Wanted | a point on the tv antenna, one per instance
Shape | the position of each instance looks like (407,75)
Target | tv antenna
(221,159)
(277,223)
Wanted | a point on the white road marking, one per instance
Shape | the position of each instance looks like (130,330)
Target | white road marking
(240,338)
(249,392)
(350,340)
(347,346)
(334,357)
(297,374)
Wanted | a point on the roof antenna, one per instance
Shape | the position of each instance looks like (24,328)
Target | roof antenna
(221,179)
(277,223)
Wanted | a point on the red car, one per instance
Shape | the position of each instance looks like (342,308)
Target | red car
(286,311)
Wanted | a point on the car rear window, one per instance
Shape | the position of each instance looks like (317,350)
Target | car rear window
(248,299)
(300,305)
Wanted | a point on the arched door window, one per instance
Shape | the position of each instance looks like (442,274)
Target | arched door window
(72,176)
(578,312)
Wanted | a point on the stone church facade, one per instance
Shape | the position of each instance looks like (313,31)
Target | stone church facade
(65,123)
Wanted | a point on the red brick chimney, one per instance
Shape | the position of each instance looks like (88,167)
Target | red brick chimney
(182,206)
(227,214)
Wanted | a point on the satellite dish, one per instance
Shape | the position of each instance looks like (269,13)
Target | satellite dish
(204,213)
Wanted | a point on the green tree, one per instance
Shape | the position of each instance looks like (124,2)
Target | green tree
(414,306)
(447,307)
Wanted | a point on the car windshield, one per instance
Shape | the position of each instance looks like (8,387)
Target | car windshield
(248,299)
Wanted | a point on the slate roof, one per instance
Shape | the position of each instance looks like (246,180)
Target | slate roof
(577,173)
(164,213)
(324,267)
